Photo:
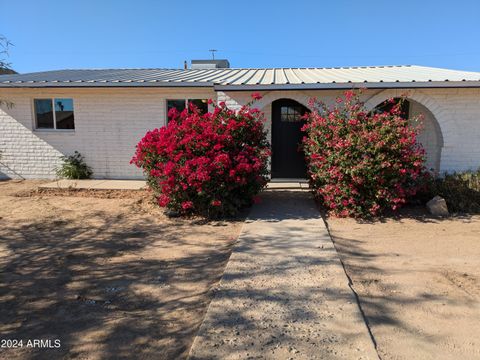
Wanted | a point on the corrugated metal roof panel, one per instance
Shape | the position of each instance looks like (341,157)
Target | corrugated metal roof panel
(248,78)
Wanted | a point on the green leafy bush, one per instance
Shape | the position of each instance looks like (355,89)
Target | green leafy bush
(74,167)
(461,191)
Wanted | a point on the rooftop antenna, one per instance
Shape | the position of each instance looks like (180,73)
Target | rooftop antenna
(213,51)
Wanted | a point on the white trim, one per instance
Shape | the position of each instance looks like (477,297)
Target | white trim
(272,96)
(353,85)
(47,130)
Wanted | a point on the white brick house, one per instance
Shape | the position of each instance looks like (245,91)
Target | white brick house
(112,110)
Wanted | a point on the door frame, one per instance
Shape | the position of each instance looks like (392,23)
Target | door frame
(275,118)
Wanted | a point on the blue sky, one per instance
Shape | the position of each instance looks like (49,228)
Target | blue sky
(303,33)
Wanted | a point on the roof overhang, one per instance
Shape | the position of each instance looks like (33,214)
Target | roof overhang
(246,87)
(124,84)
(250,79)
(351,85)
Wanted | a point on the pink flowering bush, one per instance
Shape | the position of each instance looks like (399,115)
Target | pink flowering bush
(361,163)
(212,164)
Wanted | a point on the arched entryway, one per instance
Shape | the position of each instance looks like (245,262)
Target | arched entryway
(430,135)
(288,161)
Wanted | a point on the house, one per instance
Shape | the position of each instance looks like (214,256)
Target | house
(104,113)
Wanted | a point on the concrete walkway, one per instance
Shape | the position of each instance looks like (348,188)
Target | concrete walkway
(140,184)
(96,184)
(288,184)
(284,294)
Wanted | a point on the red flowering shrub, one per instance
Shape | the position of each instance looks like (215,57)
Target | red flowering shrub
(211,164)
(361,163)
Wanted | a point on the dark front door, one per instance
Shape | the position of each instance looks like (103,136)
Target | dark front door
(288,161)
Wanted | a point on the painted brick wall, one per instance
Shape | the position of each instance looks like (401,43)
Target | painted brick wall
(108,125)
(457,112)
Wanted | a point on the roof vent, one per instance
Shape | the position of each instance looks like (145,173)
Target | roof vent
(210,64)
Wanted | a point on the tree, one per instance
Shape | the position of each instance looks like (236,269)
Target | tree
(4,65)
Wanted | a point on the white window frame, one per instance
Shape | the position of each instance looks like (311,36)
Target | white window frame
(52,99)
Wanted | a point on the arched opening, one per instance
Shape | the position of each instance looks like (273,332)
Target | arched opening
(288,160)
(430,135)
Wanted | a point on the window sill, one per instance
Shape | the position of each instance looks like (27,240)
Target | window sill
(61,131)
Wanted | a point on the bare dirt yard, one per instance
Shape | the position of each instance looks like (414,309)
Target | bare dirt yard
(418,280)
(106,273)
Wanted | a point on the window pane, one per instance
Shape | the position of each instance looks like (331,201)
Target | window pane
(178,104)
(201,104)
(43,113)
(64,113)
(291,114)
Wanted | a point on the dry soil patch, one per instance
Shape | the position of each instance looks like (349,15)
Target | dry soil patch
(106,273)
(418,279)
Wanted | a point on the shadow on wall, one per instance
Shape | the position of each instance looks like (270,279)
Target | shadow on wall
(4,176)
(36,153)
(24,152)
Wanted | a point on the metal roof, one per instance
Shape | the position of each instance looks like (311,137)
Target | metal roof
(251,79)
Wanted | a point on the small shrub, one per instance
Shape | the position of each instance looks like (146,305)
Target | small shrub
(461,191)
(361,163)
(211,164)
(74,167)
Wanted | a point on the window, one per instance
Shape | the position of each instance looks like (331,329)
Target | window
(44,113)
(291,113)
(176,104)
(54,114)
(182,104)
(201,104)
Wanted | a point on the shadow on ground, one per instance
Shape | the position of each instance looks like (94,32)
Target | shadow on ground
(417,281)
(284,294)
(105,285)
